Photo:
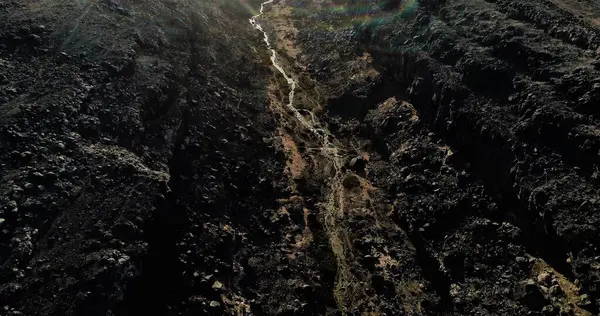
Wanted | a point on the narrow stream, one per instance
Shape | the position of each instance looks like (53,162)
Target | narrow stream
(334,200)
(328,147)
(291,82)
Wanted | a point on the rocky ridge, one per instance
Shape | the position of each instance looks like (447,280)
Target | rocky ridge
(151,164)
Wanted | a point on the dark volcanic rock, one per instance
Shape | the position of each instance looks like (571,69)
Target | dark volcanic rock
(480,137)
(115,185)
(150,165)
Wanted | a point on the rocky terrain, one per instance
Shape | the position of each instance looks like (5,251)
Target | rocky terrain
(437,157)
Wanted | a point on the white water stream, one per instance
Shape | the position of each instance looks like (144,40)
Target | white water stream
(328,147)
(334,201)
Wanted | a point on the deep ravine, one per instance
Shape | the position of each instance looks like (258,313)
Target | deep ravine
(346,198)
(300,157)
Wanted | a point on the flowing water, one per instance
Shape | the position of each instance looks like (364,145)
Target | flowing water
(328,146)
(335,199)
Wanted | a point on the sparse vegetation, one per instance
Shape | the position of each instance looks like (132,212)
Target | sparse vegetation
(439,158)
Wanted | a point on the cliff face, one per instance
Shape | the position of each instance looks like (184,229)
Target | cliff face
(435,158)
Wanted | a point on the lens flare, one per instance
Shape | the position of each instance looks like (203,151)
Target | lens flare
(248,7)
(344,15)
(372,16)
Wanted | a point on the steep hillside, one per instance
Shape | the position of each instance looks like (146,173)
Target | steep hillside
(299,157)
(137,152)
